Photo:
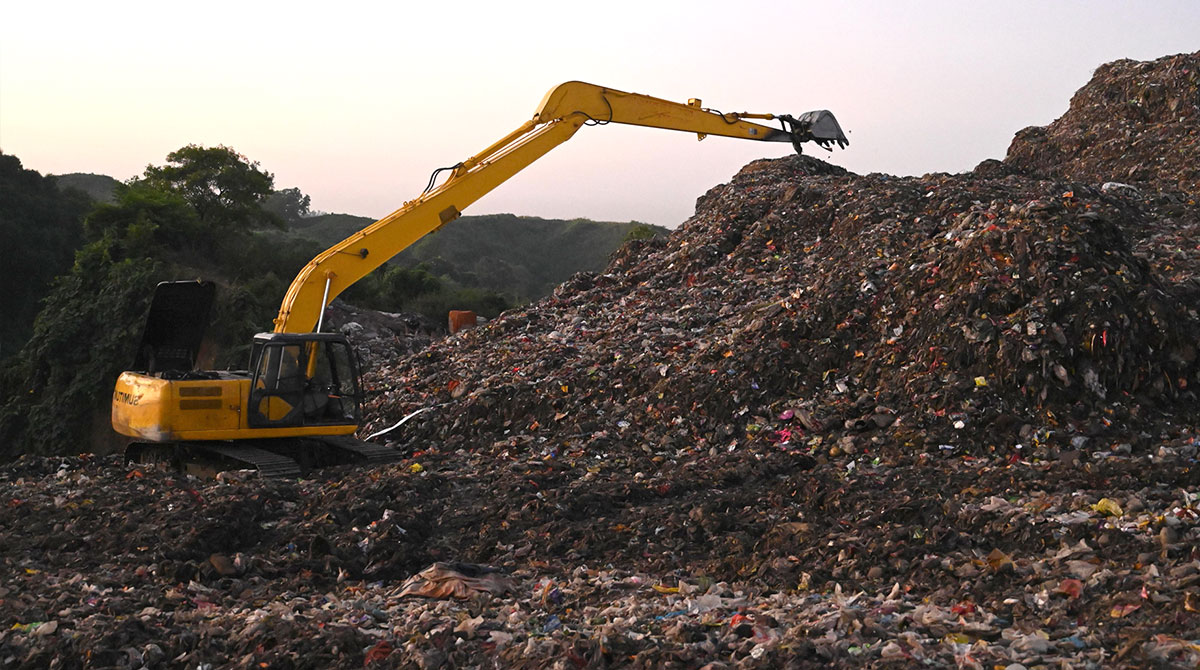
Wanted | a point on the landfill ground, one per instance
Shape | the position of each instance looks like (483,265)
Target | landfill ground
(834,421)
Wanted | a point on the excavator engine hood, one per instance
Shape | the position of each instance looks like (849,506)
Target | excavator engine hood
(175,327)
(818,126)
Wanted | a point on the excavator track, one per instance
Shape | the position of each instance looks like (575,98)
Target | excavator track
(268,463)
(364,452)
(278,458)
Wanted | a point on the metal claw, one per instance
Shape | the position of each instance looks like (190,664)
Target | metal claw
(818,126)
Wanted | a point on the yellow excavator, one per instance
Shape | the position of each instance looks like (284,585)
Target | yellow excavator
(299,400)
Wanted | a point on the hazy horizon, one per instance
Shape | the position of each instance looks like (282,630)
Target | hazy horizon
(356,105)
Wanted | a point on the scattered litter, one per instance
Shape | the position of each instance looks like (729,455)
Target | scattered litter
(833,421)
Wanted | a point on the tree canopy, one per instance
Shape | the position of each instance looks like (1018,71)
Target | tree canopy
(146,221)
(226,189)
(288,204)
(193,216)
(39,232)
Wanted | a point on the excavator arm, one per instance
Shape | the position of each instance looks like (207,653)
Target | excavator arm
(563,111)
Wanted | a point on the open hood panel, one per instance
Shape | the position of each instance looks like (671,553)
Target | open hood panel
(175,326)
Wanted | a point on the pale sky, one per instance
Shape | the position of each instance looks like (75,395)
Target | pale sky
(356,103)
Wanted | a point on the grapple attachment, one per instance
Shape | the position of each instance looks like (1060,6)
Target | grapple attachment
(818,126)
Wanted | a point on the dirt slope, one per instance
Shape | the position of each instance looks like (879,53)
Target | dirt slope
(833,421)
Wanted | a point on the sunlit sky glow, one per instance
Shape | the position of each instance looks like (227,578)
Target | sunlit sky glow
(356,103)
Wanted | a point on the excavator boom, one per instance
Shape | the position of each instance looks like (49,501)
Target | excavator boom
(563,111)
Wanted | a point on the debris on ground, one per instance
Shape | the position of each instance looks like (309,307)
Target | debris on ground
(381,336)
(833,421)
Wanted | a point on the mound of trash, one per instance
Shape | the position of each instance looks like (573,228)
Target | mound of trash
(816,311)
(1134,122)
(742,560)
(1134,129)
(833,421)
(381,336)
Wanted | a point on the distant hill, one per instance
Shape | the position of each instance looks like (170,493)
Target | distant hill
(523,257)
(98,187)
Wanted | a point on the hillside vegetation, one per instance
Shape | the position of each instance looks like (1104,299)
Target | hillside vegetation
(520,257)
(88,251)
(40,226)
(198,215)
(99,187)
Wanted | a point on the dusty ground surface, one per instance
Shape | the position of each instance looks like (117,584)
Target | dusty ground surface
(833,421)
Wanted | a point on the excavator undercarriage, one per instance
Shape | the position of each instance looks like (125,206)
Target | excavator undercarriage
(280,457)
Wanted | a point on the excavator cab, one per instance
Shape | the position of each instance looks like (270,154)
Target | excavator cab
(302,379)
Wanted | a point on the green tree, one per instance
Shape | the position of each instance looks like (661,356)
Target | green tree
(39,233)
(289,204)
(400,284)
(87,333)
(146,221)
(226,189)
(481,301)
(641,231)
(393,288)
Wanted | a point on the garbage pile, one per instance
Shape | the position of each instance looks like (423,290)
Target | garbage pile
(381,336)
(942,560)
(812,311)
(1133,130)
(833,421)
(1134,122)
